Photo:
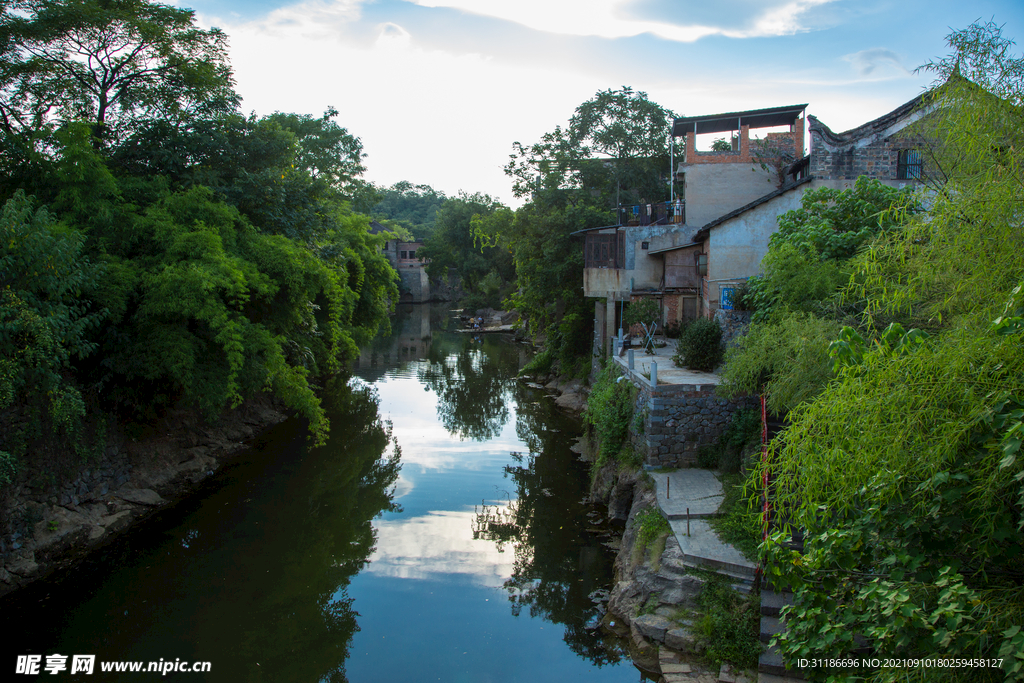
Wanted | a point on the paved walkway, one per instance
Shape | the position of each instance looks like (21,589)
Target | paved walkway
(701,492)
(668,373)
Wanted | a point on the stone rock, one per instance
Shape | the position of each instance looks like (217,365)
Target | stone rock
(23,567)
(572,402)
(653,626)
(626,598)
(141,496)
(116,521)
(621,499)
(680,639)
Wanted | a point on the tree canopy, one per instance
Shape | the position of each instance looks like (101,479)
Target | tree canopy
(160,249)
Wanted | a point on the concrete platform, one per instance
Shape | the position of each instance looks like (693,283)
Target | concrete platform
(668,373)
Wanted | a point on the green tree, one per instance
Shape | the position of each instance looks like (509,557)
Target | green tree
(905,471)
(616,143)
(114,63)
(455,247)
(808,258)
(44,321)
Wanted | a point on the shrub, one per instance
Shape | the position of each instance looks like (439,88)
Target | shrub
(728,627)
(786,359)
(610,410)
(700,346)
(651,526)
(540,364)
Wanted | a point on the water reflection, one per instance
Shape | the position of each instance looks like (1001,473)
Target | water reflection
(436,546)
(473,378)
(251,575)
(559,563)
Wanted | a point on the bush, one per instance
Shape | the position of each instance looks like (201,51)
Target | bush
(700,346)
(728,627)
(786,360)
(651,525)
(540,364)
(610,411)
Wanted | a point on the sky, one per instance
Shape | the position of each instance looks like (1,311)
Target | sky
(438,90)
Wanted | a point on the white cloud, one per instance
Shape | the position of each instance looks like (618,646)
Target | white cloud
(439,544)
(877,62)
(424,115)
(608,18)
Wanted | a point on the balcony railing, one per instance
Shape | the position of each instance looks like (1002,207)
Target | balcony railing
(662,213)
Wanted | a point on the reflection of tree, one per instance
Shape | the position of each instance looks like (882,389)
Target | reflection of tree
(324,525)
(558,563)
(472,380)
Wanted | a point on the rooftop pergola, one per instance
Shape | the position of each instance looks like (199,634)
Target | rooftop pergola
(730,121)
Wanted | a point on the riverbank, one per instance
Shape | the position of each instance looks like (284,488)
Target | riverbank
(58,509)
(684,622)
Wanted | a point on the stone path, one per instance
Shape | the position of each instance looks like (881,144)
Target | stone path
(701,492)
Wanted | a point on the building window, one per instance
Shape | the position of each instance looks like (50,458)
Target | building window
(412,254)
(908,165)
(405,254)
(605,251)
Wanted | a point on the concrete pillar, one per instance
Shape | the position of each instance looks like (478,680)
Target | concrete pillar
(654,374)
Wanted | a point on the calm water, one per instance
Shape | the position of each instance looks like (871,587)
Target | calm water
(441,535)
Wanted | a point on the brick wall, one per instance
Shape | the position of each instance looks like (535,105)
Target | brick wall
(876,160)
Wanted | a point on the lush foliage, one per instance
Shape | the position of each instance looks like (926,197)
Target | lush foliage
(175,252)
(905,471)
(738,521)
(728,624)
(700,345)
(650,526)
(413,207)
(616,144)
(484,269)
(610,411)
(785,359)
(807,258)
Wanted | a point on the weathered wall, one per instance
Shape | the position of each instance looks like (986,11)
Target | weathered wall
(678,419)
(415,283)
(738,244)
(713,190)
(683,417)
(734,323)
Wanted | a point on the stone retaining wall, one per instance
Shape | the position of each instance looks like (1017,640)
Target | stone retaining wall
(734,323)
(678,419)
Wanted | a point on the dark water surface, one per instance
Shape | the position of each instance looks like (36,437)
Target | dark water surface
(464,554)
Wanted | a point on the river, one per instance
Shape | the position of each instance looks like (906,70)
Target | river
(442,534)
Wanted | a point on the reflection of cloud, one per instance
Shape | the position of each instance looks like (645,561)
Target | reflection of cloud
(611,19)
(438,543)
(403,487)
(886,61)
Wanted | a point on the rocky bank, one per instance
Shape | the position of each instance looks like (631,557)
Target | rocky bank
(59,508)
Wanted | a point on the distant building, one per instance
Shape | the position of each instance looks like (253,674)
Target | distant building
(415,285)
(691,254)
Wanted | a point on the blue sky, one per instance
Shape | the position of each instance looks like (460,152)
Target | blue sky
(438,90)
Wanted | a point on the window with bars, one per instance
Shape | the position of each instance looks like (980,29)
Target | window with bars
(909,165)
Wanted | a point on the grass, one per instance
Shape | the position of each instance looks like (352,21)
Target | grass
(738,522)
(652,530)
(728,624)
